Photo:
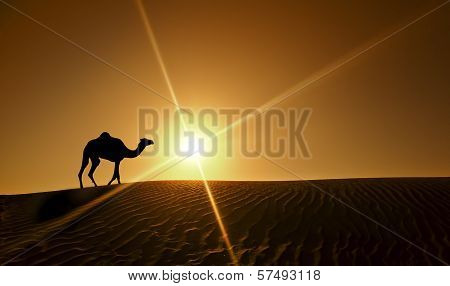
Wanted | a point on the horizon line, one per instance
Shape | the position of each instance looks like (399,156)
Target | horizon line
(231,181)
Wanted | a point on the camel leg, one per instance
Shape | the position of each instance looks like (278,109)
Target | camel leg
(116,174)
(117,171)
(95,163)
(84,163)
(113,177)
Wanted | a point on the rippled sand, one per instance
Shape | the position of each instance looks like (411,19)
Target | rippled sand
(268,223)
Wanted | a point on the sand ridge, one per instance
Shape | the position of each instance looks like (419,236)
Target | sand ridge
(268,223)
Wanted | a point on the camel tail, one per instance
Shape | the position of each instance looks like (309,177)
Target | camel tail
(84,163)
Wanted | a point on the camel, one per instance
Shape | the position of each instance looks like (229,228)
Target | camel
(111,149)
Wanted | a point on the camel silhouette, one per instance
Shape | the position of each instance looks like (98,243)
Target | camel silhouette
(111,149)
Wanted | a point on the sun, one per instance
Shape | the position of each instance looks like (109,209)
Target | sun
(194,144)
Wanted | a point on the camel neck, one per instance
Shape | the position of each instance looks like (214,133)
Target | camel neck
(134,153)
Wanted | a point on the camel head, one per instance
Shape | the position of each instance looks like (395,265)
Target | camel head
(146,142)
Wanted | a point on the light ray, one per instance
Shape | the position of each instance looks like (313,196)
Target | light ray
(218,216)
(155,46)
(324,72)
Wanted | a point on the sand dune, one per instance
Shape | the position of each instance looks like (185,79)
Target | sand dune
(268,223)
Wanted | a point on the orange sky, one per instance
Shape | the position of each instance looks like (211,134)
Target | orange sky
(386,113)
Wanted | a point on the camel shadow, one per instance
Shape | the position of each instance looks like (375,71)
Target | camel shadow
(57,204)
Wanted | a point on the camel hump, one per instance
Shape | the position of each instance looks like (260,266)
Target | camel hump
(105,135)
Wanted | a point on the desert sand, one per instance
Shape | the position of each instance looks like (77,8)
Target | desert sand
(268,223)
